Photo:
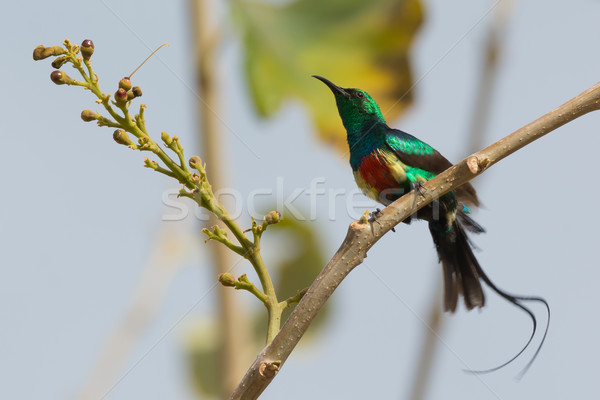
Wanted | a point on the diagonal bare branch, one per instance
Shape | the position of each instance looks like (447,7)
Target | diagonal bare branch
(362,235)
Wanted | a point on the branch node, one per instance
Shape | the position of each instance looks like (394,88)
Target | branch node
(269,369)
(477,164)
(473,164)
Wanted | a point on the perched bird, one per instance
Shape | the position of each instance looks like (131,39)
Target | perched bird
(387,163)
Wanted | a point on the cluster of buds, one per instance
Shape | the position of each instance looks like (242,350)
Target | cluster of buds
(63,57)
(126,92)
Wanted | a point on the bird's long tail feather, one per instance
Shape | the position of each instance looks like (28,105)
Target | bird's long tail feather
(463,275)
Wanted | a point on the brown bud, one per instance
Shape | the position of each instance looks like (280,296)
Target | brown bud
(59,62)
(196,162)
(227,279)
(60,78)
(137,91)
(121,137)
(41,52)
(89,115)
(87,49)
(120,95)
(273,217)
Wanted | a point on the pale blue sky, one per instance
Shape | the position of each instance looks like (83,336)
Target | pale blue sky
(79,214)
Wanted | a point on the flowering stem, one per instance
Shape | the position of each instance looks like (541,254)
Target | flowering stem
(196,185)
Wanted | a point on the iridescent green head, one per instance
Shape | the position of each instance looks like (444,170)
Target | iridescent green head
(357,108)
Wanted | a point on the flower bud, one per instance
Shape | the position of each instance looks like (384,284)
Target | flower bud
(87,49)
(273,217)
(148,163)
(137,91)
(125,83)
(226,279)
(60,78)
(196,162)
(41,52)
(166,138)
(120,95)
(59,62)
(121,137)
(89,115)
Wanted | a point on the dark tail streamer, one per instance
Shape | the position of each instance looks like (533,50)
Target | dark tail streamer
(516,301)
(463,276)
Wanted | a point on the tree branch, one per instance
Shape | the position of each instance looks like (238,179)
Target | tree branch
(362,235)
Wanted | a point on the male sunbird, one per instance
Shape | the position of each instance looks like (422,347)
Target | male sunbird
(388,163)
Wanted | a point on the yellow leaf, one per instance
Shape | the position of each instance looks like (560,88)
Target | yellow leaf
(355,43)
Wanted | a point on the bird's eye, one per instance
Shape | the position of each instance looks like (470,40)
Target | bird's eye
(360,95)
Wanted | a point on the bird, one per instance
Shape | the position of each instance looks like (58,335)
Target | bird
(388,163)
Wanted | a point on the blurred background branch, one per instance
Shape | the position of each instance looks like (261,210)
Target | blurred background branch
(234,342)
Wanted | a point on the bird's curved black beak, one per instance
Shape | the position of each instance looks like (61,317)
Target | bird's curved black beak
(334,88)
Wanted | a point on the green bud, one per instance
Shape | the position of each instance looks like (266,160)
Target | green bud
(226,279)
(273,217)
(195,178)
(87,49)
(121,137)
(60,78)
(196,162)
(89,115)
(148,163)
(184,192)
(125,83)
(166,138)
(176,144)
(137,91)
(41,52)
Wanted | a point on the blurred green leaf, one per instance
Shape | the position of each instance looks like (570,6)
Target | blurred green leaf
(355,43)
(301,265)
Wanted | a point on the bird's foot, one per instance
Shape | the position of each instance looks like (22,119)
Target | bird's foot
(374,215)
(418,186)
